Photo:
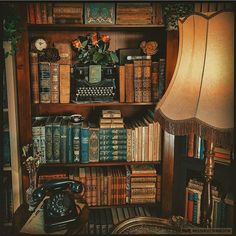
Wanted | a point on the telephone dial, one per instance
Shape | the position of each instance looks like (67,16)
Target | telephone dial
(59,209)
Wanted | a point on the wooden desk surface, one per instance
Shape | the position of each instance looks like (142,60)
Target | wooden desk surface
(22,215)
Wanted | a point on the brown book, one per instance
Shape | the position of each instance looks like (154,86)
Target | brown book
(67,10)
(43,7)
(138,83)
(31,13)
(146,78)
(190,150)
(93,186)
(65,52)
(157,14)
(122,83)
(66,15)
(49,13)
(38,16)
(88,186)
(154,81)
(54,82)
(129,82)
(34,76)
(67,20)
(64,83)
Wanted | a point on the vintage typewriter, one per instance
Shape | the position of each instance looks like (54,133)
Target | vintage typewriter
(84,91)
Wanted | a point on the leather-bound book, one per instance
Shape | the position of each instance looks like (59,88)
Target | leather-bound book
(122,83)
(54,82)
(138,82)
(147,95)
(34,76)
(154,81)
(129,82)
(64,83)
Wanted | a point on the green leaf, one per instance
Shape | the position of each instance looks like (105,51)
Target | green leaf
(114,57)
(97,57)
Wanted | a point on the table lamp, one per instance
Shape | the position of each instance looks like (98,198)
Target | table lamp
(200,97)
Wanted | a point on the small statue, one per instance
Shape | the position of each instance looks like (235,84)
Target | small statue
(149,48)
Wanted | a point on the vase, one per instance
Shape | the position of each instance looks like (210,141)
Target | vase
(32,186)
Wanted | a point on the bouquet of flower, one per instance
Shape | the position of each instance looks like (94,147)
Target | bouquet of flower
(93,49)
(31,161)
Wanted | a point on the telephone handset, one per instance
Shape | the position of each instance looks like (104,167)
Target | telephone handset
(59,209)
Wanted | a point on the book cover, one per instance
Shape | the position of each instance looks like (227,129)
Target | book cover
(93,143)
(69,143)
(84,132)
(146,79)
(76,142)
(154,81)
(122,83)
(48,139)
(31,13)
(56,138)
(54,82)
(43,140)
(64,83)
(129,83)
(34,74)
(63,141)
(138,82)
(162,77)
(36,130)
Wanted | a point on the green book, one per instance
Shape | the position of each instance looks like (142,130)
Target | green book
(93,143)
(69,143)
(56,136)
(63,141)
(48,139)
(84,144)
(76,141)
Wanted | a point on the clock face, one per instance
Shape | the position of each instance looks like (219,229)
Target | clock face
(40,44)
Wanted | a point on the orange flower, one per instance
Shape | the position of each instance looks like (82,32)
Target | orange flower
(77,44)
(105,38)
(94,38)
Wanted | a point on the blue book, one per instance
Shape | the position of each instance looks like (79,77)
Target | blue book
(84,134)
(56,138)
(63,141)
(195,207)
(48,139)
(202,149)
(76,141)
(69,143)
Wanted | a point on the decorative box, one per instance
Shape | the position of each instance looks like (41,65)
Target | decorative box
(99,13)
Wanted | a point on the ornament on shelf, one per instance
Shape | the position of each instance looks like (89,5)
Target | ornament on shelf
(149,47)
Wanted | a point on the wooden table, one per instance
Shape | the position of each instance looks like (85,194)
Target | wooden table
(22,215)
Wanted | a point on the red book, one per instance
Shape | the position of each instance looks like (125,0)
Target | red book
(190,206)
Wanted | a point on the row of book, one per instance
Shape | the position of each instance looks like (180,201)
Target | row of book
(95,13)
(104,220)
(142,80)
(222,209)
(196,149)
(61,141)
(120,185)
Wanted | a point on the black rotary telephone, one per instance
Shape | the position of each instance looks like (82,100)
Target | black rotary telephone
(59,209)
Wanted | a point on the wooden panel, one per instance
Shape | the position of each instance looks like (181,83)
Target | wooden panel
(167,174)
(172,47)
(23,81)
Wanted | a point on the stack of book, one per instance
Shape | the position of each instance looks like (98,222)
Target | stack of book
(104,220)
(195,146)
(64,13)
(113,138)
(222,209)
(143,184)
(142,80)
(39,13)
(134,13)
(45,177)
(222,155)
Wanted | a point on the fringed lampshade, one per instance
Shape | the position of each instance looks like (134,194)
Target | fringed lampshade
(200,97)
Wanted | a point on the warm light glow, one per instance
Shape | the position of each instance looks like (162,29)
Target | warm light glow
(200,96)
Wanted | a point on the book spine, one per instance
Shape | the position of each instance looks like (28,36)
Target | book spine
(34,76)
(68,21)
(162,77)
(69,143)
(129,144)
(56,136)
(48,140)
(54,79)
(146,79)
(93,144)
(122,83)
(154,83)
(113,148)
(31,10)
(64,83)
(63,141)
(36,137)
(84,145)
(42,143)
(190,206)
(191,150)
(112,142)
(138,82)
(49,13)
(38,16)
(43,7)
(44,80)
(129,82)
(76,142)
(112,132)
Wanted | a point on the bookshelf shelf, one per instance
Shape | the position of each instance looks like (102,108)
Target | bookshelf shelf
(124,163)
(86,27)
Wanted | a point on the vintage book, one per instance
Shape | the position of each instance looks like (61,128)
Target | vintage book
(48,139)
(190,145)
(112,147)
(129,141)
(142,200)
(67,21)
(76,142)
(64,83)
(111,120)
(122,83)
(116,125)
(56,138)
(93,186)
(98,186)
(34,74)
(36,135)
(69,142)
(65,52)
(99,13)
(84,132)
(157,14)
(112,142)
(31,13)
(146,79)
(104,223)
(143,185)
(162,77)
(154,79)
(138,82)
(114,216)
(111,113)
(120,214)
(63,140)
(38,14)
(43,140)
(144,179)
(44,82)
(129,83)
(93,143)
(49,13)
(110,225)
(112,132)
(43,7)
(54,82)
(88,186)
(145,191)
